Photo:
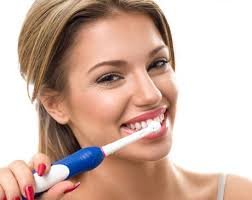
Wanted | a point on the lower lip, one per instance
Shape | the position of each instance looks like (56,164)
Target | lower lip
(154,135)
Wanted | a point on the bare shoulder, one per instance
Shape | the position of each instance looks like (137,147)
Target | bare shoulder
(205,186)
(200,186)
(238,187)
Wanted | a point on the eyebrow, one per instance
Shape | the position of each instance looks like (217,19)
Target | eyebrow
(119,63)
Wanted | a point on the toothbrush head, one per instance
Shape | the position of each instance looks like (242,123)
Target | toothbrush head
(154,126)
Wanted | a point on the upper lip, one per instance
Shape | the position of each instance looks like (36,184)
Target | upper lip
(148,115)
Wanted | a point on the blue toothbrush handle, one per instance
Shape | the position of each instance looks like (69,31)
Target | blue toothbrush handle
(83,160)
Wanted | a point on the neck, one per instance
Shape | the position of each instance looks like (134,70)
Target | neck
(119,179)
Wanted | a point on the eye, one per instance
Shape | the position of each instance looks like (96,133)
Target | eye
(108,78)
(159,64)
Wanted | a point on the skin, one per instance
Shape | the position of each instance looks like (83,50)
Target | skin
(141,170)
(143,88)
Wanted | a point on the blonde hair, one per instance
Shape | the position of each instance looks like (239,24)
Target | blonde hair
(46,36)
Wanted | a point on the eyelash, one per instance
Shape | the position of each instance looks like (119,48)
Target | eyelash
(154,64)
(108,78)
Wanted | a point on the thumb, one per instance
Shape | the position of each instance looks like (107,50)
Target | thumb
(59,190)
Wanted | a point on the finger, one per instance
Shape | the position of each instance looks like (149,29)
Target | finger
(59,190)
(9,185)
(24,177)
(41,163)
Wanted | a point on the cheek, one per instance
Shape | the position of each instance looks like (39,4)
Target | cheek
(98,107)
(96,112)
(109,105)
(168,86)
(172,87)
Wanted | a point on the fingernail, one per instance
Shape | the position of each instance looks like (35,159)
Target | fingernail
(17,198)
(73,188)
(29,193)
(41,169)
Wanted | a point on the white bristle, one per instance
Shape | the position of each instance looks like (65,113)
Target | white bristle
(155,126)
(108,149)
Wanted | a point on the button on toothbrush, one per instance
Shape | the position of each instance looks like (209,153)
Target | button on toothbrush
(86,159)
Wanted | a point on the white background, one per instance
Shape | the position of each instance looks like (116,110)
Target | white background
(213,42)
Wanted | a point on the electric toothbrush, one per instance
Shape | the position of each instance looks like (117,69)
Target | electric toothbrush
(86,159)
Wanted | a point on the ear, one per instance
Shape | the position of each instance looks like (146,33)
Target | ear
(55,106)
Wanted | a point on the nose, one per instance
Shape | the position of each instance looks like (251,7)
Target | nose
(146,93)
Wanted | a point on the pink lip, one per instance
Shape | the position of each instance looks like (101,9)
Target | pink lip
(148,115)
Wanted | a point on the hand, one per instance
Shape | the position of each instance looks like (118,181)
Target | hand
(17,179)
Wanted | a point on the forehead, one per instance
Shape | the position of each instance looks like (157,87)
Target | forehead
(125,35)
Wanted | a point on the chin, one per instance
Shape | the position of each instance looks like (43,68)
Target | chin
(156,154)
(145,152)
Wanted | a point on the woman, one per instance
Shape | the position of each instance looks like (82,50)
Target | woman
(100,68)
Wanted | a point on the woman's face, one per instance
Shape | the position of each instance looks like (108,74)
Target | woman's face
(119,69)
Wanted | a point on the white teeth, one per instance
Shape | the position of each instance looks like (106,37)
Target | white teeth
(157,119)
(138,126)
(149,121)
(161,117)
(132,126)
(143,124)
(167,123)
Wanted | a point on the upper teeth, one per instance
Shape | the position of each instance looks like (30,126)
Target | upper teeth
(144,124)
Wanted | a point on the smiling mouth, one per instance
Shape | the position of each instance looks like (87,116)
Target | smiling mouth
(136,126)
